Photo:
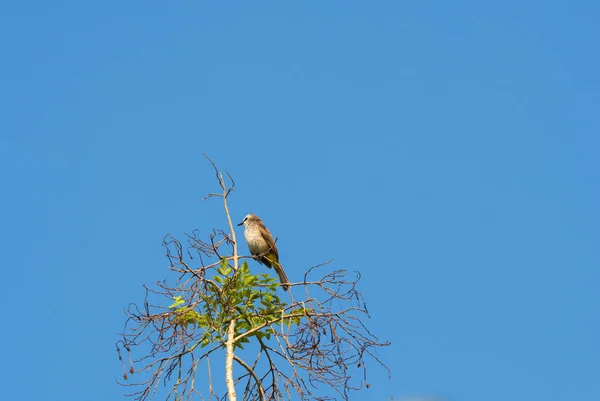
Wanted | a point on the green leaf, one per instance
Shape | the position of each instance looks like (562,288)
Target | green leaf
(178,301)
(224,269)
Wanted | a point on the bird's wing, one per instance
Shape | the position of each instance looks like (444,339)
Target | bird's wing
(264,232)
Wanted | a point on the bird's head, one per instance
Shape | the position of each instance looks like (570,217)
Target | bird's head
(249,219)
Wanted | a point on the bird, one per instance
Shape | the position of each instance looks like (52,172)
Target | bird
(262,246)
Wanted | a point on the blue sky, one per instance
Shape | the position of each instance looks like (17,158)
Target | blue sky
(446,150)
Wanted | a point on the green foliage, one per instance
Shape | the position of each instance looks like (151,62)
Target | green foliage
(178,301)
(251,300)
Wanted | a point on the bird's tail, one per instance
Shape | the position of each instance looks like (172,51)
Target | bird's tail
(283,279)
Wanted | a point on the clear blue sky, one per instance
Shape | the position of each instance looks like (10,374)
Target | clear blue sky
(447,150)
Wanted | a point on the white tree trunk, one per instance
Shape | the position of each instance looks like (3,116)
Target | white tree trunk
(229,362)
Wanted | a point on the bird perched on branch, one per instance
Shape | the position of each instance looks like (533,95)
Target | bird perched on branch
(262,246)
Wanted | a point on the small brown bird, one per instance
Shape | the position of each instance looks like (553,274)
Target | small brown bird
(262,246)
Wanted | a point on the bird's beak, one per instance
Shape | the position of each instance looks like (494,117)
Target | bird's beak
(241,223)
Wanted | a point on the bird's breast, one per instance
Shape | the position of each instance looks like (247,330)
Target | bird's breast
(255,241)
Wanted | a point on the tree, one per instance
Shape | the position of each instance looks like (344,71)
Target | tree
(218,306)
